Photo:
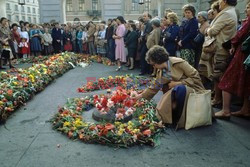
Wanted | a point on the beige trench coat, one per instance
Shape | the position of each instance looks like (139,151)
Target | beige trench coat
(181,71)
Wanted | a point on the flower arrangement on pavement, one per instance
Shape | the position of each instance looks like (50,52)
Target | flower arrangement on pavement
(127,82)
(144,128)
(18,86)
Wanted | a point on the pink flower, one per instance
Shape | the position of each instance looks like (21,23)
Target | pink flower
(119,116)
(133,94)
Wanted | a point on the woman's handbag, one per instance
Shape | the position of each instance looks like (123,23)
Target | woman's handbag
(199,39)
(199,110)
(247,62)
(209,45)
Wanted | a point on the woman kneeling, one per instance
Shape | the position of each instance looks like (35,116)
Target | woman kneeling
(177,79)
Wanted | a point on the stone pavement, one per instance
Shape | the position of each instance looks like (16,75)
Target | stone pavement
(27,139)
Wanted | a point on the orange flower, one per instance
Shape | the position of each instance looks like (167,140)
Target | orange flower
(10,92)
(147,132)
(70,134)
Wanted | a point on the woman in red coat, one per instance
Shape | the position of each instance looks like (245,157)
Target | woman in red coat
(236,80)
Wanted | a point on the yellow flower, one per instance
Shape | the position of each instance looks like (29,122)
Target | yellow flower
(110,77)
(120,132)
(118,123)
(15,83)
(141,117)
(130,123)
(78,123)
(122,126)
(136,131)
(130,127)
(66,123)
(32,78)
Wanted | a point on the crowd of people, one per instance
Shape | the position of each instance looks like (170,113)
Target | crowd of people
(208,46)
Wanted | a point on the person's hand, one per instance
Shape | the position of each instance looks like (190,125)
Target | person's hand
(173,84)
(113,36)
(232,51)
(180,44)
(138,97)
(58,41)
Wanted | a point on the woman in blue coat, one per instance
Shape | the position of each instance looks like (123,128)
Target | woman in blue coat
(190,29)
(171,34)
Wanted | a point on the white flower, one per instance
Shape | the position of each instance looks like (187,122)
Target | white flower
(130,111)
(110,103)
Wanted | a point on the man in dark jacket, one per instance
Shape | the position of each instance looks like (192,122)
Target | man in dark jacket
(147,29)
(57,38)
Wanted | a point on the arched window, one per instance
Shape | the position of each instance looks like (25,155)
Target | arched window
(76,19)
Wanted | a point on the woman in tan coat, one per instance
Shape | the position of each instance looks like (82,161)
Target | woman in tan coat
(176,78)
(222,28)
(154,36)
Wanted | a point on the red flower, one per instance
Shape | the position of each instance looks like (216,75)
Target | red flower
(129,103)
(109,126)
(104,102)
(121,111)
(87,102)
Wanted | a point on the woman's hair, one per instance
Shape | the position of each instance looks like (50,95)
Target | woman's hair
(216,6)
(231,2)
(190,8)
(157,54)
(140,19)
(2,19)
(156,22)
(121,19)
(173,17)
(14,25)
(133,26)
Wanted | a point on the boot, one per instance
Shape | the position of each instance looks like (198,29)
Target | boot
(131,64)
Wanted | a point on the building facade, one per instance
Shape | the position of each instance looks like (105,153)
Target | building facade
(12,10)
(84,10)
(52,11)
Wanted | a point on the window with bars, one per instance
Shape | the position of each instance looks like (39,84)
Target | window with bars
(81,5)
(7,6)
(23,18)
(34,10)
(147,5)
(16,7)
(69,6)
(28,9)
(22,9)
(29,19)
(134,5)
(17,18)
(94,4)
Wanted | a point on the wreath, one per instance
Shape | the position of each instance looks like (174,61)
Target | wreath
(144,128)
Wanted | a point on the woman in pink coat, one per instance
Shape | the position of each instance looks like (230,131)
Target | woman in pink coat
(119,42)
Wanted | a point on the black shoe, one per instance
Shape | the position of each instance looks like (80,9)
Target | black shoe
(2,68)
(12,66)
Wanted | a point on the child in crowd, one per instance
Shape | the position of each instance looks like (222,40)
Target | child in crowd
(24,48)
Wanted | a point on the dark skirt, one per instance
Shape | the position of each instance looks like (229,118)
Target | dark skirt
(132,52)
(35,45)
